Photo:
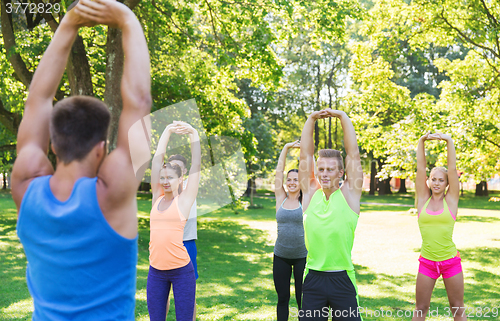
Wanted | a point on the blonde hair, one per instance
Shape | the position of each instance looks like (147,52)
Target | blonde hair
(442,169)
(332,153)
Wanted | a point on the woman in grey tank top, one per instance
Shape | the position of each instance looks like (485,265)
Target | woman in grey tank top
(290,250)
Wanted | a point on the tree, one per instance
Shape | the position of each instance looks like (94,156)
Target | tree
(19,44)
(471,72)
(378,105)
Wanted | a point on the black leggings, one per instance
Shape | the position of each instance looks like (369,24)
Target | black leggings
(282,272)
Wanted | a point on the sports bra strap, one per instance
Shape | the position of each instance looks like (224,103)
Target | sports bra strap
(284,201)
(300,204)
(425,206)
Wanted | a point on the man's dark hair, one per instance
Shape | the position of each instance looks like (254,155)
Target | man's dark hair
(77,124)
(178,157)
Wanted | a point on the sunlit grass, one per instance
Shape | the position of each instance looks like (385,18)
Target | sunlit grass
(235,261)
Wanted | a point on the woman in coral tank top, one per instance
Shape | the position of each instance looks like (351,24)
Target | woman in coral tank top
(169,260)
(437,212)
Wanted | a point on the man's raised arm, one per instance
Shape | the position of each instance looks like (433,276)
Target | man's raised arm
(33,135)
(353,168)
(135,88)
(308,182)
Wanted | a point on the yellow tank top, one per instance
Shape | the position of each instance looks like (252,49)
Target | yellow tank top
(166,249)
(437,234)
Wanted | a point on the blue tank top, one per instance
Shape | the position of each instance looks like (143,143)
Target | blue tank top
(79,268)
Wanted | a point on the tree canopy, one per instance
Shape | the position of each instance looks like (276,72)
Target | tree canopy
(257,68)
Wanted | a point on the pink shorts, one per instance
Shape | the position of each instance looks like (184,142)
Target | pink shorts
(447,268)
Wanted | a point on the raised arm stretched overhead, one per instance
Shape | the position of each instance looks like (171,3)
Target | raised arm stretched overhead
(188,196)
(158,160)
(453,193)
(423,191)
(330,163)
(33,135)
(308,182)
(353,183)
(117,184)
(279,191)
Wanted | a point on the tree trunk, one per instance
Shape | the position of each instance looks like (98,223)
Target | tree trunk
(114,72)
(78,54)
(479,189)
(381,189)
(228,182)
(402,186)
(373,179)
(78,70)
(485,188)
(384,186)
(4,180)
(387,186)
(252,191)
(249,188)
(132,3)
(9,120)
(17,62)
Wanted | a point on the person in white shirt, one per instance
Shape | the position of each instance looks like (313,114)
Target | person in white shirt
(191,229)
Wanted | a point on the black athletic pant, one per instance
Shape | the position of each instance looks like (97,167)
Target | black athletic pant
(282,272)
(329,294)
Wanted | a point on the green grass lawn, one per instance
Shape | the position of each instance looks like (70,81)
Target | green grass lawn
(235,260)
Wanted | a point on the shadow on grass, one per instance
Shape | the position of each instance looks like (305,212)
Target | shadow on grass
(484,219)
(383,208)
(390,293)
(236,276)
(234,266)
(239,263)
(481,288)
(408,199)
(266,213)
(484,256)
(13,286)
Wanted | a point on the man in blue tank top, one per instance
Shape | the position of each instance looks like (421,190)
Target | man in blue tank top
(78,224)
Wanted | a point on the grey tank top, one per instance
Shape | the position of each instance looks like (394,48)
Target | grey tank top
(290,242)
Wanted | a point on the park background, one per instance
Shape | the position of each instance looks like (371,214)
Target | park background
(256,69)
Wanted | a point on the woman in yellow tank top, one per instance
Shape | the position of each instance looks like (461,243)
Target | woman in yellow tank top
(169,260)
(437,211)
